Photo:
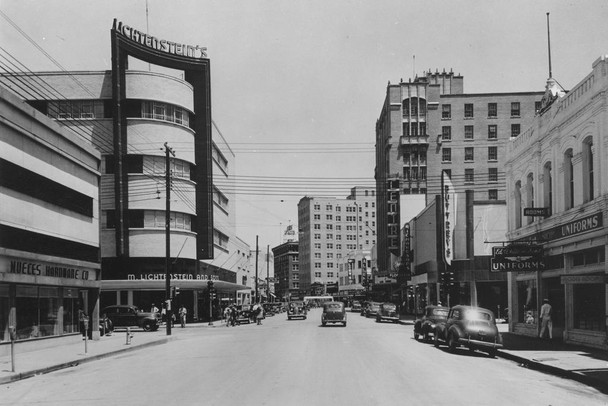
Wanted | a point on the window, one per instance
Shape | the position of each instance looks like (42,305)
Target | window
(492,174)
(317,236)
(330,246)
(317,255)
(220,239)
(548,187)
(515,109)
(328,207)
(568,180)
(468,154)
(492,110)
(329,226)
(163,111)
(317,217)
(493,194)
(446,133)
(588,193)
(492,153)
(317,206)
(317,245)
(328,217)
(446,111)
(492,132)
(530,194)
(469,175)
(468,132)
(515,130)
(468,110)
(79,109)
(517,204)
(446,155)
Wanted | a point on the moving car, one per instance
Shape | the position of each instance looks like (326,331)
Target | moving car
(244,314)
(296,310)
(425,326)
(131,316)
(333,312)
(356,307)
(371,309)
(471,327)
(387,311)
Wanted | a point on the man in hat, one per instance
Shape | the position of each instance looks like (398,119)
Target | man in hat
(545,319)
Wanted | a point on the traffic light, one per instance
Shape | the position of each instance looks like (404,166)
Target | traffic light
(175,291)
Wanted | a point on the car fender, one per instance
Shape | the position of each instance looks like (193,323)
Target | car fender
(440,331)
(456,331)
(418,327)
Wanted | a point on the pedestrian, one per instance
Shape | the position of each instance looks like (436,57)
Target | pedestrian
(182,315)
(259,313)
(227,315)
(163,314)
(154,308)
(545,318)
(233,315)
(83,320)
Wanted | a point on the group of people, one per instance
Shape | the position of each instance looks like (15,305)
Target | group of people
(182,312)
(231,314)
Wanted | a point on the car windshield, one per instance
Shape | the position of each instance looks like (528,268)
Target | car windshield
(440,312)
(477,315)
(333,306)
(375,305)
(389,306)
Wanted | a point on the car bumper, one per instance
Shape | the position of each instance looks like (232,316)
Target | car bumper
(471,343)
(389,318)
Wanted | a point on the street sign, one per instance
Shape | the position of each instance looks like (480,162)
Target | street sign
(536,211)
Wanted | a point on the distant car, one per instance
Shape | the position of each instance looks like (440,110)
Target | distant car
(471,327)
(425,326)
(131,316)
(356,307)
(372,309)
(333,312)
(364,306)
(387,312)
(244,314)
(296,310)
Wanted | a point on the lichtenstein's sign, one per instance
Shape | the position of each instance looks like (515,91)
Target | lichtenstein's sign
(190,51)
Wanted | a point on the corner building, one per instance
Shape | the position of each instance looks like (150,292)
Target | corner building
(558,165)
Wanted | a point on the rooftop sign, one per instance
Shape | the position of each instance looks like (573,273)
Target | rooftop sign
(190,51)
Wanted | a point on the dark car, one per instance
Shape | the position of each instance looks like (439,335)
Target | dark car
(471,327)
(387,312)
(364,306)
(372,309)
(333,312)
(131,316)
(356,307)
(244,314)
(296,310)
(425,326)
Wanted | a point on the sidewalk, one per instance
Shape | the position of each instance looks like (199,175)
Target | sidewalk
(583,364)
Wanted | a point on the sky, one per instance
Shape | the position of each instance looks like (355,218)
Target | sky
(297,86)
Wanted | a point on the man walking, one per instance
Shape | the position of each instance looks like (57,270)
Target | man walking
(545,319)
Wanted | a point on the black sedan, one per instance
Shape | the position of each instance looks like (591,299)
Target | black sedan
(425,326)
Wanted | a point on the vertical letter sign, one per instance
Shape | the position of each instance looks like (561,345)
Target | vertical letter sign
(448,199)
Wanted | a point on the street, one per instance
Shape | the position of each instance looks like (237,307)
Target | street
(298,362)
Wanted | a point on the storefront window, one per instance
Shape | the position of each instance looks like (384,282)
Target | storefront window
(4,335)
(48,302)
(70,310)
(589,302)
(27,312)
(526,298)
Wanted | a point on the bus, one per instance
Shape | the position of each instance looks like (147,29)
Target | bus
(317,301)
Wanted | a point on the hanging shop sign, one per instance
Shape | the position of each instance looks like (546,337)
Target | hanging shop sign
(536,211)
(517,257)
(448,199)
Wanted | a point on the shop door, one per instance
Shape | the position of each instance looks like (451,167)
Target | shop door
(555,292)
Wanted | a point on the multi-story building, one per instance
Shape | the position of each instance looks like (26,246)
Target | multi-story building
(330,228)
(428,126)
(50,271)
(286,270)
(161,152)
(557,192)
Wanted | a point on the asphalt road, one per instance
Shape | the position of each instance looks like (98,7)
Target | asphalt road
(298,362)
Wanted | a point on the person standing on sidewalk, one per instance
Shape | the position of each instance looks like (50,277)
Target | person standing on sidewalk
(545,319)
(182,315)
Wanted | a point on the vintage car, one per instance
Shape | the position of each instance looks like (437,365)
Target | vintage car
(131,316)
(244,314)
(356,307)
(425,326)
(471,327)
(372,309)
(364,306)
(296,310)
(387,312)
(333,312)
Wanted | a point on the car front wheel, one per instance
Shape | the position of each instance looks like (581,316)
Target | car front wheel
(416,336)
(147,326)
(452,343)
(436,341)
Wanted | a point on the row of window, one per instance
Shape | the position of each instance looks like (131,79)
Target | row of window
(330,217)
(469,132)
(469,154)
(492,110)
(319,274)
(150,219)
(329,207)
(151,165)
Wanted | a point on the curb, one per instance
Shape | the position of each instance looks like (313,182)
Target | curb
(17,376)
(562,373)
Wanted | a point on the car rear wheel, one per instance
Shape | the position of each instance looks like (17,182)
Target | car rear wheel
(436,341)
(452,343)
(147,326)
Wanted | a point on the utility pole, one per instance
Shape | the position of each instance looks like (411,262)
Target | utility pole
(267,273)
(168,237)
(257,251)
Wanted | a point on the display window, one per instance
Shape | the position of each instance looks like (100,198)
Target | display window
(526,298)
(589,302)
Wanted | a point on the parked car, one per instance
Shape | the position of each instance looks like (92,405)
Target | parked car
(131,316)
(356,307)
(364,307)
(296,310)
(372,309)
(387,311)
(425,326)
(333,312)
(471,327)
(244,314)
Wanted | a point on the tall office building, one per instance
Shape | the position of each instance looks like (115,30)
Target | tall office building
(330,229)
(430,125)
